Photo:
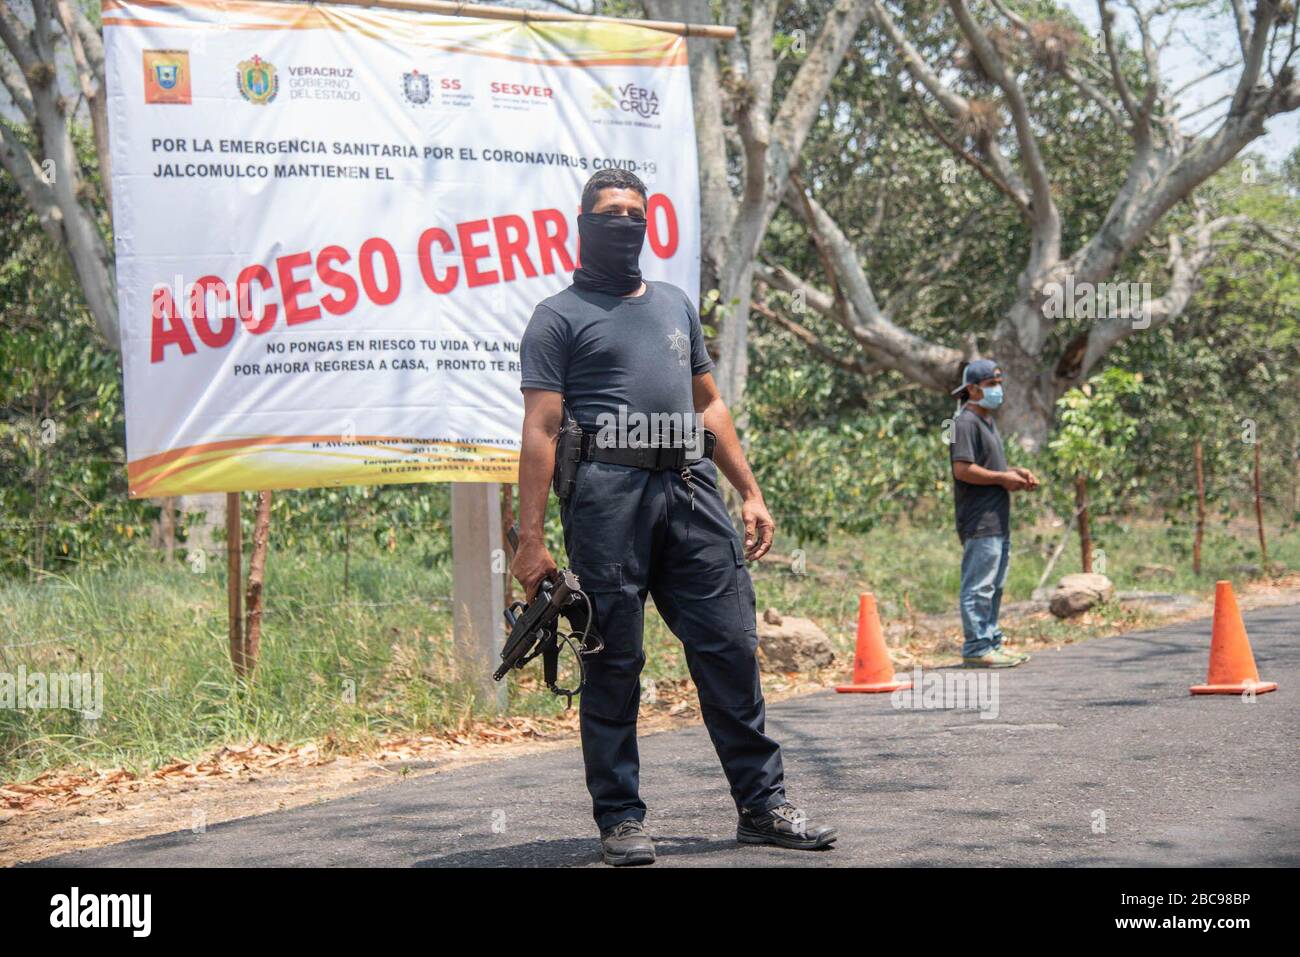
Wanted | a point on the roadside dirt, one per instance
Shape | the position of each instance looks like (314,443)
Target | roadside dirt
(63,811)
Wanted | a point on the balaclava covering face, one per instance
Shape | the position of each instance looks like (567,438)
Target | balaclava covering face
(610,253)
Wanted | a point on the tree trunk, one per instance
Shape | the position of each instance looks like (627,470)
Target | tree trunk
(1085,531)
(733,339)
(1200,507)
(256,573)
(234,578)
(727,270)
(1259,513)
(1029,408)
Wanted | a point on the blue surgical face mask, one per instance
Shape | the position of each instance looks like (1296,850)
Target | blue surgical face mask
(992,397)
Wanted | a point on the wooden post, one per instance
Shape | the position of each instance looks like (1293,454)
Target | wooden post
(234,579)
(1200,507)
(1259,513)
(1085,532)
(478,620)
(347,545)
(507,520)
(256,573)
(167,523)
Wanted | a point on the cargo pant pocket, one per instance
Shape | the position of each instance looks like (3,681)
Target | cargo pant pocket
(613,674)
(745,600)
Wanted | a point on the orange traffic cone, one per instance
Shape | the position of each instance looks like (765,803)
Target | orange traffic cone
(1232,666)
(873,672)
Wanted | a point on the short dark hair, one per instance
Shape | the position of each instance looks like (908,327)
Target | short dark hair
(609,179)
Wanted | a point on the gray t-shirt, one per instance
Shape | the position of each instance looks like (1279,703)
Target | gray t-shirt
(604,351)
(982,510)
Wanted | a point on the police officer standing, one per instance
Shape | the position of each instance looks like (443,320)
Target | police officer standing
(645,516)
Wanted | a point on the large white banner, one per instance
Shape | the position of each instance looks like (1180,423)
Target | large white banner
(332,225)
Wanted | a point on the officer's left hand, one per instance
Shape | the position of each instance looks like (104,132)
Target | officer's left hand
(758,528)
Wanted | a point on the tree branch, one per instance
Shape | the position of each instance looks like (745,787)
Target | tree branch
(933,365)
(1131,107)
(752,114)
(1045,218)
(1020,198)
(92,88)
(16,84)
(26,172)
(956,105)
(1185,270)
(828,354)
(18,39)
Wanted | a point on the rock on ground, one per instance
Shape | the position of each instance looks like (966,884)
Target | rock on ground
(1075,594)
(787,644)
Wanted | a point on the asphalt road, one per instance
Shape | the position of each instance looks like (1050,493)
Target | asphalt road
(1097,756)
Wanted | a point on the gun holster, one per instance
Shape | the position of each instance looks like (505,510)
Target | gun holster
(568,452)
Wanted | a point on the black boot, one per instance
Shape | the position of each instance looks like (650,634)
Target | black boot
(785,826)
(627,844)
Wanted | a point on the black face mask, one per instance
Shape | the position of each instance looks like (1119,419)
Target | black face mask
(610,253)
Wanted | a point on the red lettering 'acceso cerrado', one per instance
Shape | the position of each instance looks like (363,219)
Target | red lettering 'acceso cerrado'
(332,281)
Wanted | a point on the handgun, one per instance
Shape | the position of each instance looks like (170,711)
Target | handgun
(535,630)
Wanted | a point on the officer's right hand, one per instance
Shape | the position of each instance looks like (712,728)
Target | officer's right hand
(532,565)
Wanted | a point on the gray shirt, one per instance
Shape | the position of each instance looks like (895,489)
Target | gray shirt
(604,351)
(982,510)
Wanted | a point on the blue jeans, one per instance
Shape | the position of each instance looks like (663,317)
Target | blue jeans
(983,574)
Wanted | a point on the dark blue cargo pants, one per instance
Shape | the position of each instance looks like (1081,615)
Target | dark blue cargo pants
(630,532)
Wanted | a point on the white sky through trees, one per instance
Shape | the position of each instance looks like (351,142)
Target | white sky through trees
(1201,40)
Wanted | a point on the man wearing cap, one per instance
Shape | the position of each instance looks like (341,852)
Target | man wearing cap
(982,484)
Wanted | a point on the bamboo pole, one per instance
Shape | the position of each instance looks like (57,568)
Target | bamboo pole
(709,31)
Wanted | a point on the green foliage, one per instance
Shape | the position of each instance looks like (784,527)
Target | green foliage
(829,456)
(63,498)
(1227,372)
(1093,430)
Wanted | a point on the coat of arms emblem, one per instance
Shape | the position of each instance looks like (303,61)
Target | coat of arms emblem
(257,80)
(415,88)
(166,76)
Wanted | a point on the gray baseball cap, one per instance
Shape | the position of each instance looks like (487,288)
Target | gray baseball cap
(977,371)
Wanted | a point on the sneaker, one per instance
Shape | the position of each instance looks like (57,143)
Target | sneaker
(627,844)
(1012,653)
(784,826)
(994,659)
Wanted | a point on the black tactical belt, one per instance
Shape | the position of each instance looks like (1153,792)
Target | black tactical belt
(656,459)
